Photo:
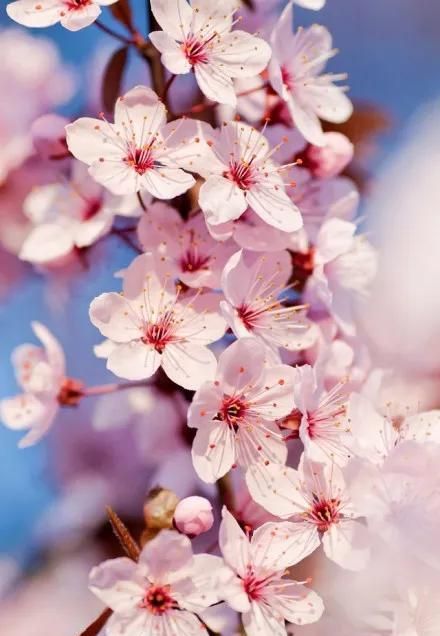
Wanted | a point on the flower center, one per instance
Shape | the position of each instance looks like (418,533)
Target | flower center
(232,411)
(193,261)
(241,173)
(70,393)
(76,5)
(157,600)
(324,513)
(195,50)
(253,586)
(140,159)
(160,334)
(248,315)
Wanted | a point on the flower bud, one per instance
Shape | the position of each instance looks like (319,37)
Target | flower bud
(49,136)
(330,160)
(194,516)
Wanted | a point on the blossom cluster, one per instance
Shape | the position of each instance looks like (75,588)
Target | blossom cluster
(238,327)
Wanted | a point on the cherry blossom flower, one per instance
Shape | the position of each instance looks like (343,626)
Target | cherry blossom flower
(72,14)
(317,199)
(40,372)
(139,151)
(322,415)
(240,173)
(255,290)
(235,413)
(344,268)
(161,593)
(374,435)
(191,254)
(71,215)
(316,498)
(198,38)
(295,74)
(258,588)
(152,324)
(418,614)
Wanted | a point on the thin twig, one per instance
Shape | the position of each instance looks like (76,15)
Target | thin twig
(141,202)
(98,624)
(113,34)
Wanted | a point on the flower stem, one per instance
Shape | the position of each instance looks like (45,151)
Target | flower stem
(104,389)
(141,202)
(113,34)
(225,493)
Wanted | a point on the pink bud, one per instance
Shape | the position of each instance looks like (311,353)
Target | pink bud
(193,516)
(49,136)
(330,160)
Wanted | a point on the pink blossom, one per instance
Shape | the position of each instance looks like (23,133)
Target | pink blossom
(40,372)
(72,14)
(332,158)
(161,593)
(257,587)
(322,414)
(295,74)
(345,267)
(194,516)
(257,303)
(317,200)
(315,498)
(235,414)
(153,324)
(70,215)
(186,247)
(34,87)
(139,151)
(240,173)
(198,38)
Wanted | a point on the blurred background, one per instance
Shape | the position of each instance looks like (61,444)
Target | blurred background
(390,50)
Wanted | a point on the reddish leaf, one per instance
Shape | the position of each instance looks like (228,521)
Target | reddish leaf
(122,12)
(112,80)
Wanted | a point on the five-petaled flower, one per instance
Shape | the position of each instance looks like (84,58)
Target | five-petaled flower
(139,151)
(316,498)
(190,253)
(72,14)
(257,302)
(240,173)
(235,414)
(152,323)
(295,74)
(163,592)
(40,372)
(257,586)
(198,38)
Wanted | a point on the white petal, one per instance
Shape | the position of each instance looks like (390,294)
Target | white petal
(173,57)
(221,200)
(166,183)
(189,364)
(273,205)
(78,19)
(278,490)
(112,314)
(134,361)
(234,544)
(215,84)
(91,139)
(276,546)
(296,603)
(25,13)
(241,54)
(114,583)
(174,16)
(213,451)
(46,243)
(346,543)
